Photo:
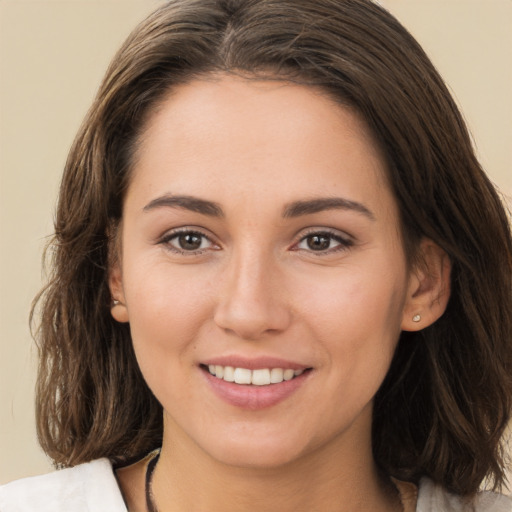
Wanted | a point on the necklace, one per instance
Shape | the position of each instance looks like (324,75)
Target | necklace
(404,489)
(150,500)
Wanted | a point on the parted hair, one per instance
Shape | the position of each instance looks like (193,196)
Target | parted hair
(443,407)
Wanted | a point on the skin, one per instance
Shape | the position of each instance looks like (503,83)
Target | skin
(258,285)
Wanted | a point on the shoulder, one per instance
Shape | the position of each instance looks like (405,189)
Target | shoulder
(433,498)
(86,487)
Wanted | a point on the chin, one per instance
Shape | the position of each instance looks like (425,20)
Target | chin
(256,456)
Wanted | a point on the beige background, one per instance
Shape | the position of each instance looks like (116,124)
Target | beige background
(52,56)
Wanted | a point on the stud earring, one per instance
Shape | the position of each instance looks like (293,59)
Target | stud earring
(115,302)
(416,318)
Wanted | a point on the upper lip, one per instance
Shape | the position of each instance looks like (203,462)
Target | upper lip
(254,363)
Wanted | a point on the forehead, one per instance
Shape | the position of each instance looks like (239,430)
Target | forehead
(229,134)
(263,106)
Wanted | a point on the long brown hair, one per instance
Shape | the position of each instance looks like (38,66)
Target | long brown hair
(446,400)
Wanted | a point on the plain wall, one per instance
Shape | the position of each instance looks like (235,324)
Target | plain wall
(53,54)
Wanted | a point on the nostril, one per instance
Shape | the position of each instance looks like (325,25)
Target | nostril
(250,320)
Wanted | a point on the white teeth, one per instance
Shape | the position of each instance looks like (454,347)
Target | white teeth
(288,374)
(229,374)
(260,377)
(243,376)
(276,375)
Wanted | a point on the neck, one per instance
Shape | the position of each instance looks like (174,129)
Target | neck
(335,478)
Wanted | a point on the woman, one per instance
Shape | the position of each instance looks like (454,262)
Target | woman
(281,279)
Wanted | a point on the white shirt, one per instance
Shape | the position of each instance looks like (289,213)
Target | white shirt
(92,487)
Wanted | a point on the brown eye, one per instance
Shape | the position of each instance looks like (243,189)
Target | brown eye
(324,242)
(318,242)
(189,241)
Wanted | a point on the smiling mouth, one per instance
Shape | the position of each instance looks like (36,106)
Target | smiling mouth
(258,377)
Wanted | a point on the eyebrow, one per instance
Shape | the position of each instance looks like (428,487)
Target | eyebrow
(299,208)
(292,210)
(193,204)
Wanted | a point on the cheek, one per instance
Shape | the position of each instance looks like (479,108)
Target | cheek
(356,318)
(365,298)
(167,311)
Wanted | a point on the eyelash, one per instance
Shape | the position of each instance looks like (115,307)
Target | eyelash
(344,243)
(166,240)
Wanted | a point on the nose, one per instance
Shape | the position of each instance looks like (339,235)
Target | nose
(252,301)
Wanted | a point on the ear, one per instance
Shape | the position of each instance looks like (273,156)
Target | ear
(428,289)
(118,308)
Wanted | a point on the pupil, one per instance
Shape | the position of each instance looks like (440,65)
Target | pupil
(319,242)
(189,241)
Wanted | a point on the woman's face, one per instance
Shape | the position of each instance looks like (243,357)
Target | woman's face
(260,240)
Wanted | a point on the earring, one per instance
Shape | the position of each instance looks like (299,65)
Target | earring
(416,318)
(115,302)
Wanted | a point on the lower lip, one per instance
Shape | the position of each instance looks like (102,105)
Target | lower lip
(254,397)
